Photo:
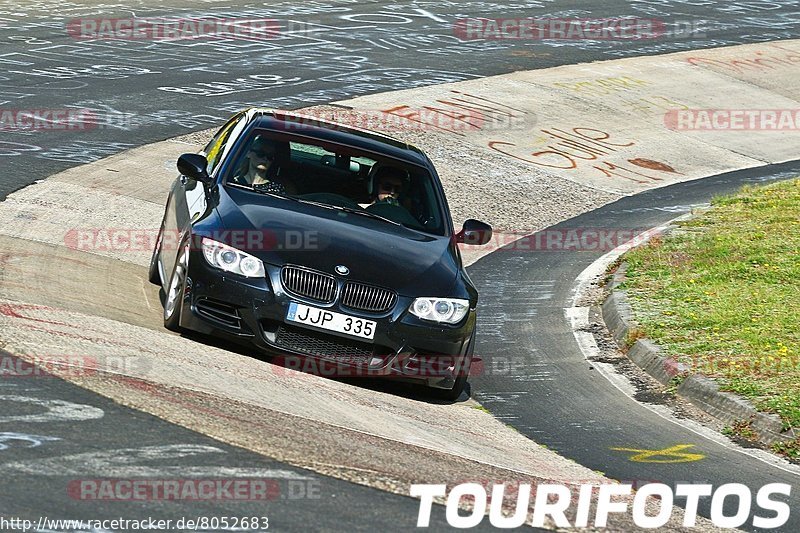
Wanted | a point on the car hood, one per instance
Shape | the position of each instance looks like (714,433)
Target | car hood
(374,251)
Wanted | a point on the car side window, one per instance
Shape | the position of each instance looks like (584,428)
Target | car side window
(216,146)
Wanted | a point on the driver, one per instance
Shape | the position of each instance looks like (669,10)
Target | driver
(389,184)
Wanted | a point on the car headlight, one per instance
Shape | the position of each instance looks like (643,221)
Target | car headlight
(449,310)
(230,259)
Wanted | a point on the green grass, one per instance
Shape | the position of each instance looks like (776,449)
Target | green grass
(723,295)
(790,449)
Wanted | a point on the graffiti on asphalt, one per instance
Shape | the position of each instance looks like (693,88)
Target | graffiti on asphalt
(673,454)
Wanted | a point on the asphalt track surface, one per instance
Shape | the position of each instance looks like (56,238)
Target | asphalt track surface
(544,387)
(142,92)
(46,456)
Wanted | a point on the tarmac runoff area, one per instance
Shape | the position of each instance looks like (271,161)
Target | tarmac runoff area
(548,145)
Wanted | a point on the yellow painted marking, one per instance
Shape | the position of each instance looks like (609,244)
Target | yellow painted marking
(674,454)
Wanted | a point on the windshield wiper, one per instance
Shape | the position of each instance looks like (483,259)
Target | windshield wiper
(367,214)
(345,209)
(260,191)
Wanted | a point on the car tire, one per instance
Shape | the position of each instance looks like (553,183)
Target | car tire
(153,274)
(451,395)
(173,302)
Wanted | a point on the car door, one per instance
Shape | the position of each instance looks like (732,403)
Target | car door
(188,199)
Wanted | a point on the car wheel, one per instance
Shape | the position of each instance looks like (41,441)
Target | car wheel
(174,299)
(153,275)
(453,394)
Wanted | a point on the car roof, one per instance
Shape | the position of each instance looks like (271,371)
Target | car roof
(316,128)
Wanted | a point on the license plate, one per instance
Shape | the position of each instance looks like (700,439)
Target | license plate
(331,320)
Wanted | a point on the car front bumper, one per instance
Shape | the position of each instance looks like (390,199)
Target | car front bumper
(253,311)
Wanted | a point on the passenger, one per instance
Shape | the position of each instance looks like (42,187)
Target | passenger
(261,169)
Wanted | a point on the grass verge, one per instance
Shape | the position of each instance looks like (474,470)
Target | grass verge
(722,295)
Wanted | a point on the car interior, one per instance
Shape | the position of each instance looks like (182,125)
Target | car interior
(340,176)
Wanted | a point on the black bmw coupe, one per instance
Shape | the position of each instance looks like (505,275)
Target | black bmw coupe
(322,243)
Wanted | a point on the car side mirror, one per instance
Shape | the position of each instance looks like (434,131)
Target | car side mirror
(193,166)
(474,232)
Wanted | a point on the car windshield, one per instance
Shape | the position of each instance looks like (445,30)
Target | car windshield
(341,177)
